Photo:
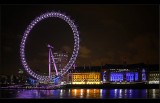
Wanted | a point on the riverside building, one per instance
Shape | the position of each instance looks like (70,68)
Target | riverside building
(115,74)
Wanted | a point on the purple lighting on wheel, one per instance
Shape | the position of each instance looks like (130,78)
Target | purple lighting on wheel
(31,26)
(54,63)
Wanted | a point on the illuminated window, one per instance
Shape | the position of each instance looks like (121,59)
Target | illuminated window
(114,76)
(130,76)
(143,75)
(136,76)
(104,77)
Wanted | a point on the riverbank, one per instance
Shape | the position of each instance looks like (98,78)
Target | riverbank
(37,88)
(120,86)
(91,86)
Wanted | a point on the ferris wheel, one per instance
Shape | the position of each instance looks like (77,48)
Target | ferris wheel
(74,53)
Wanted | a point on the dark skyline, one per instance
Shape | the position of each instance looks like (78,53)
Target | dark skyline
(108,33)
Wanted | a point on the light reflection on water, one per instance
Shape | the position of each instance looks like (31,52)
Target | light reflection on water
(81,93)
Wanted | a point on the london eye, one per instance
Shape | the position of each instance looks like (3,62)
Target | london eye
(72,59)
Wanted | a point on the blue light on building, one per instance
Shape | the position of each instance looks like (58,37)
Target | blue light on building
(56,80)
(116,77)
(136,76)
(143,75)
(104,76)
(130,76)
(32,81)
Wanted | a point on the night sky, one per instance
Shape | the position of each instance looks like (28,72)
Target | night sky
(109,34)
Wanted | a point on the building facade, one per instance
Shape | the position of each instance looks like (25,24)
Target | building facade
(115,74)
(84,78)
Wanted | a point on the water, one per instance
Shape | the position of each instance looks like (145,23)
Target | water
(81,94)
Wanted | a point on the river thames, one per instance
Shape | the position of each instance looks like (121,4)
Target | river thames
(80,94)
